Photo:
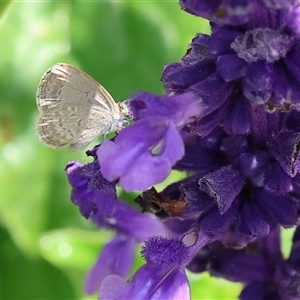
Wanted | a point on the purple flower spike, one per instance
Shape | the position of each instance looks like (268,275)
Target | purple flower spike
(142,154)
(230,123)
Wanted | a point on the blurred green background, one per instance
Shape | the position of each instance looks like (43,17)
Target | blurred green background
(46,246)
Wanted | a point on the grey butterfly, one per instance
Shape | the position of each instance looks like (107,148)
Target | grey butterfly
(75,109)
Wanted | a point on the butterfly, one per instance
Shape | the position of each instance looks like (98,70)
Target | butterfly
(75,109)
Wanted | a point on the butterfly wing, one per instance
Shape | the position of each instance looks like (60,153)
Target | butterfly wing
(74,108)
(66,124)
(64,84)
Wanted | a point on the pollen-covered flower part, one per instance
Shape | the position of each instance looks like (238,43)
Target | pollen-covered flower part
(164,252)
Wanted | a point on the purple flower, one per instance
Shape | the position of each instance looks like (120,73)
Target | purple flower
(117,256)
(90,191)
(97,200)
(151,145)
(134,153)
(163,276)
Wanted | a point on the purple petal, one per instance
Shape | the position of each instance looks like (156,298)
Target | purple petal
(285,149)
(263,44)
(213,91)
(197,157)
(179,109)
(238,266)
(221,39)
(281,89)
(90,191)
(213,141)
(276,181)
(293,62)
(198,7)
(222,12)
(147,283)
(114,287)
(213,223)
(271,245)
(253,163)
(178,77)
(207,124)
(280,208)
(234,145)
(252,221)
(238,117)
(293,120)
(259,290)
(258,82)
(231,67)
(197,200)
(199,50)
(223,186)
(116,257)
(129,221)
(288,277)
